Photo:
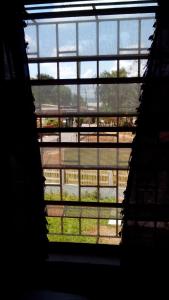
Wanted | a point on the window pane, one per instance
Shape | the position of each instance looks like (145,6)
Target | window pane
(108,37)
(128,68)
(30,37)
(88,69)
(129,34)
(119,98)
(146,31)
(67,37)
(33,71)
(47,40)
(67,70)
(87,38)
(107,68)
(48,71)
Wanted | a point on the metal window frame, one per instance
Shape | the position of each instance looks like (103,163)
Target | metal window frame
(78,81)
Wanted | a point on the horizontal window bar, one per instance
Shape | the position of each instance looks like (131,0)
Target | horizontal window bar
(88,58)
(92,12)
(84,167)
(86,129)
(83,203)
(47,113)
(84,145)
(87,81)
(68,4)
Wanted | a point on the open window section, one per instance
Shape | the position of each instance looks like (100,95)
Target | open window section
(86,75)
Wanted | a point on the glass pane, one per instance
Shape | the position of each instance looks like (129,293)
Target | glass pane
(88,69)
(146,31)
(88,97)
(30,37)
(87,38)
(52,192)
(67,70)
(106,178)
(33,71)
(128,68)
(47,40)
(107,195)
(89,194)
(107,68)
(67,37)
(53,98)
(52,176)
(48,71)
(126,137)
(91,157)
(46,97)
(108,37)
(129,34)
(122,183)
(88,177)
(88,138)
(143,65)
(50,157)
(119,98)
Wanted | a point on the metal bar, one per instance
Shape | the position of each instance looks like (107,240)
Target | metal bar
(95,12)
(62,114)
(69,21)
(88,58)
(33,2)
(70,5)
(82,203)
(88,81)
(84,145)
(87,129)
(84,167)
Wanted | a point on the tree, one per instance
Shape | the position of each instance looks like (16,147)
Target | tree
(59,95)
(118,97)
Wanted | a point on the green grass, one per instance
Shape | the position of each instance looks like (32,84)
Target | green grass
(86,196)
(84,230)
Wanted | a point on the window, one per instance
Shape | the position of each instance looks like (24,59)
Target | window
(86,74)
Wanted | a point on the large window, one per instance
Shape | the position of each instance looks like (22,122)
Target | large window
(86,74)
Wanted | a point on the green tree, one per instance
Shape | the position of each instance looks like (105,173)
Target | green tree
(116,98)
(55,94)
